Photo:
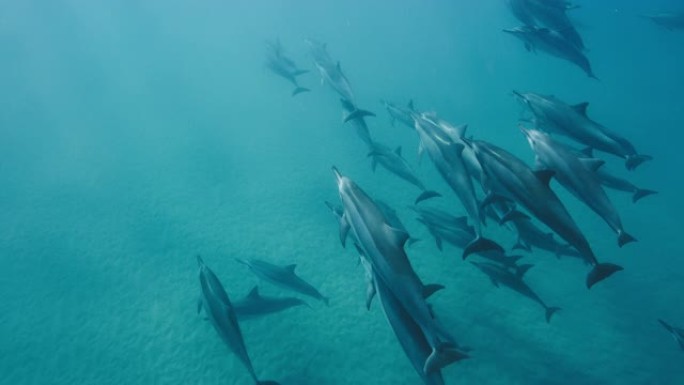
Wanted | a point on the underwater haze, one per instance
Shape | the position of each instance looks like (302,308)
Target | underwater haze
(135,135)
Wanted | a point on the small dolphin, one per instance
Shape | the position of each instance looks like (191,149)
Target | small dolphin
(214,300)
(577,177)
(668,20)
(554,44)
(507,177)
(553,115)
(552,14)
(383,246)
(616,183)
(283,276)
(514,280)
(331,71)
(403,115)
(529,236)
(395,163)
(283,66)
(677,333)
(255,305)
(446,155)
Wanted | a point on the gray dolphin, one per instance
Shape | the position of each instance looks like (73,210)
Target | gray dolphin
(677,333)
(446,156)
(554,44)
(395,163)
(553,115)
(576,177)
(505,175)
(404,115)
(669,20)
(214,300)
(283,66)
(330,70)
(529,236)
(616,183)
(383,246)
(514,280)
(283,276)
(552,14)
(255,305)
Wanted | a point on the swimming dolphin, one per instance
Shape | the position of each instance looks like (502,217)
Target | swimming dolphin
(555,116)
(552,14)
(214,300)
(395,163)
(616,183)
(330,70)
(554,44)
(283,66)
(529,236)
(383,246)
(578,176)
(404,115)
(446,156)
(359,123)
(669,20)
(514,280)
(255,305)
(283,276)
(506,176)
(677,333)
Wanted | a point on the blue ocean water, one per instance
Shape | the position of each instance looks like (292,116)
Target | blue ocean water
(137,134)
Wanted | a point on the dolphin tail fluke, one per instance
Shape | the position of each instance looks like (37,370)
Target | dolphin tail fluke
(624,238)
(633,161)
(299,90)
(640,193)
(600,272)
(427,194)
(443,355)
(665,325)
(550,311)
(481,244)
(358,114)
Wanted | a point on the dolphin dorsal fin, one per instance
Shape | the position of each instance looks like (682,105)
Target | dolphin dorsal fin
(431,289)
(461,130)
(398,151)
(523,269)
(290,268)
(581,108)
(544,176)
(398,236)
(254,293)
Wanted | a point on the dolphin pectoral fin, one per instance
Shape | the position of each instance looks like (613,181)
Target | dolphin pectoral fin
(522,270)
(344,230)
(550,311)
(513,260)
(545,176)
(431,289)
(600,272)
(633,161)
(480,244)
(513,214)
(358,114)
(592,164)
(438,242)
(624,238)
(640,193)
(441,356)
(254,293)
(665,325)
(299,90)
(290,268)
(398,237)
(494,282)
(199,304)
(427,194)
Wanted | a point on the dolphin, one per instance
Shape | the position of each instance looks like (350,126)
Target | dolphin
(514,280)
(330,70)
(359,123)
(446,156)
(214,300)
(555,116)
(552,14)
(283,66)
(283,276)
(616,183)
(395,163)
(529,236)
(404,115)
(677,333)
(255,305)
(669,20)
(507,177)
(554,44)
(383,246)
(576,176)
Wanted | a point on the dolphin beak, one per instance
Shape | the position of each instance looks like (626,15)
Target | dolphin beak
(338,176)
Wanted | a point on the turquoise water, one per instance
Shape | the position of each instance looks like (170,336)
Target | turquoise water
(137,134)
